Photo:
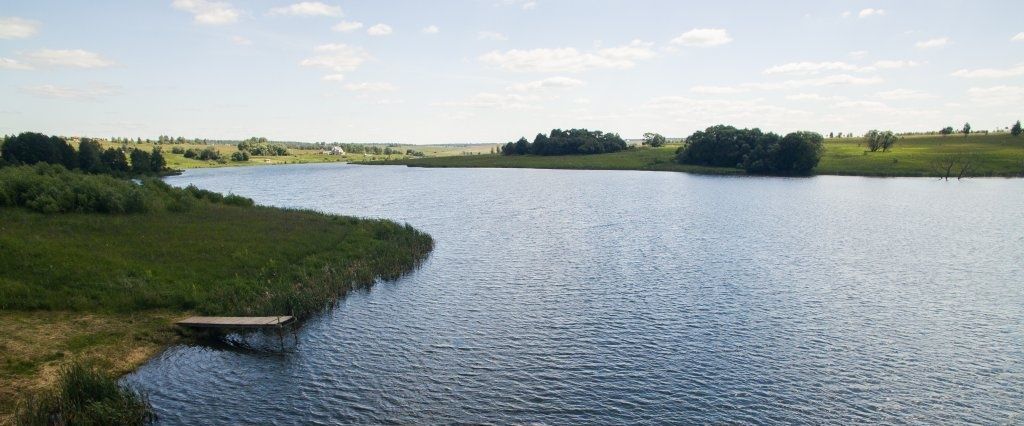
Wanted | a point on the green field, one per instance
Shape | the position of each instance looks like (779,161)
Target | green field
(295,155)
(105,288)
(990,155)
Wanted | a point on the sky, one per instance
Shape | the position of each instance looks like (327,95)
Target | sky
(485,71)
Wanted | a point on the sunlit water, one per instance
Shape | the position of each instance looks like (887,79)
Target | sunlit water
(607,296)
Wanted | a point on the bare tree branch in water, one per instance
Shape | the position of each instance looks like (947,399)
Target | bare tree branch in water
(959,164)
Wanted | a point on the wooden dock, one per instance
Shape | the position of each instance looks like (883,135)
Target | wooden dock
(236,322)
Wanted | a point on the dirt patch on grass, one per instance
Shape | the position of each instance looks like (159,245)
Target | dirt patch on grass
(36,345)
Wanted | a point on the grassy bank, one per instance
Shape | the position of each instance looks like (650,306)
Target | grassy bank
(991,155)
(105,288)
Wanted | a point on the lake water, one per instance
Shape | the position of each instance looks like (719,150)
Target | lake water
(568,297)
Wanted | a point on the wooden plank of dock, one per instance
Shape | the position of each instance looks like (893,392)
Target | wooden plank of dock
(236,322)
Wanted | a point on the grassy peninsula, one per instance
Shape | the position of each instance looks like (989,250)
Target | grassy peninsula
(998,154)
(95,269)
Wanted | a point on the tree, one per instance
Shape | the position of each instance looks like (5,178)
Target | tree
(141,162)
(1016,130)
(797,153)
(32,148)
(89,152)
(240,156)
(966,130)
(114,160)
(946,131)
(654,140)
(877,139)
(157,161)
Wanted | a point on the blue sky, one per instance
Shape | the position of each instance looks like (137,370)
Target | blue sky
(494,70)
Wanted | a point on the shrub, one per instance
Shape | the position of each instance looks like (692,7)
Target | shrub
(567,142)
(85,396)
(54,189)
(753,150)
(261,146)
(240,156)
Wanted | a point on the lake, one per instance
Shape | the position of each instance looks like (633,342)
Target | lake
(563,297)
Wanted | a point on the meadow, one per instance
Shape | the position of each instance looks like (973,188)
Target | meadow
(80,285)
(989,155)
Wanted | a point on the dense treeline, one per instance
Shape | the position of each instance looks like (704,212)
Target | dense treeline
(32,148)
(261,146)
(54,189)
(567,142)
(755,151)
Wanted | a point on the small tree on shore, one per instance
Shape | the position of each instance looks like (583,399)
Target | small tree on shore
(966,130)
(654,140)
(1016,129)
(877,139)
(946,131)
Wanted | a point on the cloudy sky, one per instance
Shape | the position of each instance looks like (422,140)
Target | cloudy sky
(493,70)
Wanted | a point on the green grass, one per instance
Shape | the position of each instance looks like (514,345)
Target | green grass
(214,259)
(78,284)
(86,396)
(992,155)
(659,159)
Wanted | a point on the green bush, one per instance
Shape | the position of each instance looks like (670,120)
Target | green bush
(240,156)
(53,189)
(85,396)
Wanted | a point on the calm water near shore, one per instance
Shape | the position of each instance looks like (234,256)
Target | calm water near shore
(563,297)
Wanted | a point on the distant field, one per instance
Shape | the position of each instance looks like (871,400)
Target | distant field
(299,156)
(992,155)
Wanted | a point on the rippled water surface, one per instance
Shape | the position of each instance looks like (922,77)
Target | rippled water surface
(610,296)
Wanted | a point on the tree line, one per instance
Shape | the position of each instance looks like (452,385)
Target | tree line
(32,148)
(567,142)
(755,151)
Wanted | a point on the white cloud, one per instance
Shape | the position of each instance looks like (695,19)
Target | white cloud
(991,72)
(333,77)
(13,64)
(864,13)
(370,87)
(307,8)
(569,59)
(857,54)
(847,14)
(496,101)
(718,90)
(68,58)
(701,112)
(814,97)
(997,95)
(1018,37)
(832,80)
(703,37)
(933,43)
(241,41)
(805,68)
(491,35)
(62,92)
(894,64)
(903,94)
(347,26)
(433,29)
(530,5)
(862,105)
(337,57)
(811,68)
(379,30)
(547,83)
(208,12)
(15,27)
